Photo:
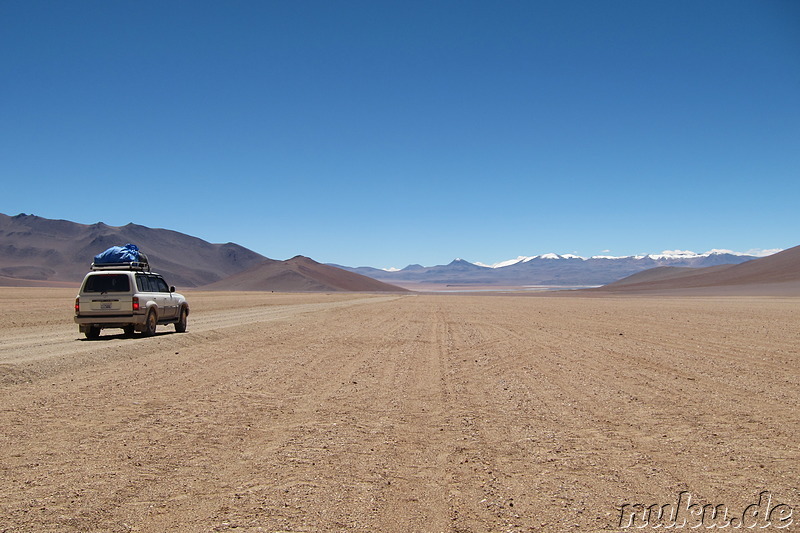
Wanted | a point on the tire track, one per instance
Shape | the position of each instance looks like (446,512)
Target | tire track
(29,352)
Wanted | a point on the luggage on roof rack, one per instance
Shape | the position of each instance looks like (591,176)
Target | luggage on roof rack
(121,257)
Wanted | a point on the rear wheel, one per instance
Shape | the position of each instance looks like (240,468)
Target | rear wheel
(92,332)
(150,324)
(180,325)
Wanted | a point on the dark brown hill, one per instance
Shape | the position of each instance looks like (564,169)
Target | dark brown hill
(41,251)
(300,274)
(662,274)
(774,273)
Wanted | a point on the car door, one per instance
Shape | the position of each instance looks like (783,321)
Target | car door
(166,302)
(149,286)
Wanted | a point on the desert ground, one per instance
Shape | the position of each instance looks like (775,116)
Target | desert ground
(401,413)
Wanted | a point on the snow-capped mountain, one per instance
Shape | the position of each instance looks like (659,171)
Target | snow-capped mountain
(667,254)
(525,259)
(554,269)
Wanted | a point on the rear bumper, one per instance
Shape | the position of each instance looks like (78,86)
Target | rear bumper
(109,321)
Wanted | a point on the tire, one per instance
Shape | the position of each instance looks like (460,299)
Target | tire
(150,324)
(180,325)
(92,332)
(128,331)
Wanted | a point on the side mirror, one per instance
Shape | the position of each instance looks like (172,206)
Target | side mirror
(172,288)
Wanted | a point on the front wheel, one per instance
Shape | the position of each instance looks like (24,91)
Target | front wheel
(92,332)
(180,325)
(150,324)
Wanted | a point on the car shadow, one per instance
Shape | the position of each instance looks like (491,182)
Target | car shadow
(122,336)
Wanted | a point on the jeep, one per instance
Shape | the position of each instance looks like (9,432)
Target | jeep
(130,297)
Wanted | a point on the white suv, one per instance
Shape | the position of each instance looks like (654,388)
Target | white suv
(130,297)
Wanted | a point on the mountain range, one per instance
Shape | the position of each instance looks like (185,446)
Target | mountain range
(776,275)
(548,269)
(36,251)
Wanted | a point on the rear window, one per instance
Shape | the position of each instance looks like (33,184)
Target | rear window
(107,283)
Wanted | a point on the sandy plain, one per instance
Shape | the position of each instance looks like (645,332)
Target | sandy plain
(353,412)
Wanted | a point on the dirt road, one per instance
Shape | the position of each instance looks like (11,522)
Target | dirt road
(397,413)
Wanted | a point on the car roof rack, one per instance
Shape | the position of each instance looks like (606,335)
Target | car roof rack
(132,265)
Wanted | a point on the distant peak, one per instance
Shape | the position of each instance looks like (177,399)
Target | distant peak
(665,255)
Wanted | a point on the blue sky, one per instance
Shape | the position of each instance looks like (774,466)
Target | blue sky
(385,133)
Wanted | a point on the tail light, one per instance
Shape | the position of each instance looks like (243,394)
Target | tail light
(77,305)
(135,303)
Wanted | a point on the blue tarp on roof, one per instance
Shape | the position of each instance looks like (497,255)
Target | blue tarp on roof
(118,254)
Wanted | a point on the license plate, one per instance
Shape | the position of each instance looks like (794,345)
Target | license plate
(105,305)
